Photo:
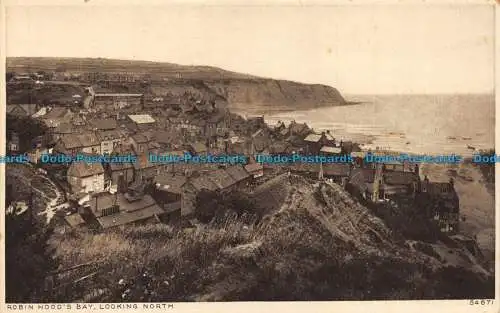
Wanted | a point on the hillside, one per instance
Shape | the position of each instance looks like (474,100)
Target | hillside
(241,90)
(314,243)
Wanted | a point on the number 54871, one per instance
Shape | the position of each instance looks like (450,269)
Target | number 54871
(481,302)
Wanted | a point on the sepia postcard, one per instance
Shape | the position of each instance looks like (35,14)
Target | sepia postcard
(228,156)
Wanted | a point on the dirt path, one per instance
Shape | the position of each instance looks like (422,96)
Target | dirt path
(53,203)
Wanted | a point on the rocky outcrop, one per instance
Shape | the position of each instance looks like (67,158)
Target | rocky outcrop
(276,94)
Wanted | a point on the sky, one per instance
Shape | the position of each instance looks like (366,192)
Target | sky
(377,49)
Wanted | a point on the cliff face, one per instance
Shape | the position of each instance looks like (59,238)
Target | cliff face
(242,91)
(276,94)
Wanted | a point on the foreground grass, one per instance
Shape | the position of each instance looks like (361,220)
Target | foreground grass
(304,251)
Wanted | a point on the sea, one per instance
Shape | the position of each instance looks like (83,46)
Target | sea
(420,124)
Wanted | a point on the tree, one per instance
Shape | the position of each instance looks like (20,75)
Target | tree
(27,129)
(28,259)
(207,204)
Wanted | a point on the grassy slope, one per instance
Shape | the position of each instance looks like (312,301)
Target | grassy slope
(317,244)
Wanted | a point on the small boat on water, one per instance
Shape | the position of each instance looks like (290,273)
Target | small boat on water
(466,138)
(407,142)
(451,137)
(471,147)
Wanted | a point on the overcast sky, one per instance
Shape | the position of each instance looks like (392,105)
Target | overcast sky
(358,49)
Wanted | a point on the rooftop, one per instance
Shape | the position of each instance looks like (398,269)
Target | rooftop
(170,182)
(221,179)
(237,172)
(104,124)
(202,182)
(74,220)
(142,118)
(85,169)
(327,149)
(313,138)
(123,218)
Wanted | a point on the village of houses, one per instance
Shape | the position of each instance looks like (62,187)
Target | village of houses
(105,121)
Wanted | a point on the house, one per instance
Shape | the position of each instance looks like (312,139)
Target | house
(314,142)
(298,129)
(14,144)
(338,172)
(145,171)
(168,194)
(256,122)
(56,116)
(86,177)
(36,153)
(191,189)
(198,148)
(441,203)
(360,183)
(222,180)
(22,110)
(109,139)
(329,139)
(279,127)
(260,141)
(103,124)
(78,120)
(239,174)
(152,102)
(121,174)
(141,142)
(74,221)
(176,167)
(255,170)
(89,143)
(120,209)
(280,148)
(74,143)
(141,119)
(238,145)
(396,183)
(203,106)
(369,160)
(349,147)
(171,184)
(168,139)
(378,184)
(218,124)
(322,143)
(68,145)
(329,150)
(117,101)
(187,107)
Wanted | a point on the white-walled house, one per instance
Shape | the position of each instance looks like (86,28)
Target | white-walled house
(86,177)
